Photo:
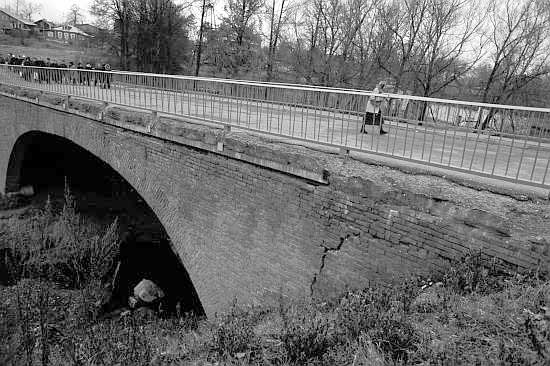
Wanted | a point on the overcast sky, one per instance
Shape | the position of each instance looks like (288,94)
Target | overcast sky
(57,10)
(54,10)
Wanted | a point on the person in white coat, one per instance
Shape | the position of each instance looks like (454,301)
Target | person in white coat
(373,113)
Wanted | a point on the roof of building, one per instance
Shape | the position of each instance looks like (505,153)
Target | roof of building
(86,25)
(89,28)
(71,29)
(24,21)
(52,24)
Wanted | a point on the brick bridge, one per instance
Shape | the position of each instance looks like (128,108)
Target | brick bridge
(253,218)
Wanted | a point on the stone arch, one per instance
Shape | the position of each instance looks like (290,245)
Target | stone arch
(21,170)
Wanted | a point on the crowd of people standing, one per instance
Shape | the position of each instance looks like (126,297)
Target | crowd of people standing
(71,75)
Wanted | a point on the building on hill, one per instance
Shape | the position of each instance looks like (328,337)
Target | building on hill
(67,33)
(43,25)
(10,23)
(89,29)
(101,36)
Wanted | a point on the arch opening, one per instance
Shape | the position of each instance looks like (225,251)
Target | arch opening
(49,163)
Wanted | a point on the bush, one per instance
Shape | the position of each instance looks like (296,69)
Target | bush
(113,342)
(13,202)
(358,310)
(46,327)
(234,333)
(62,247)
(473,273)
(366,353)
(307,333)
(380,314)
(485,325)
(31,335)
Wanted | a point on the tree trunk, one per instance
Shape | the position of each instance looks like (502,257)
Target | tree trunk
(199,45)
(271,49)
(424,109)
(124,35)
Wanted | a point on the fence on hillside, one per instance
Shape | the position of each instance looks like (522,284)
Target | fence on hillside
(505,142)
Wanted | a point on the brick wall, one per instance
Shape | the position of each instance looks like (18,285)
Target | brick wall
(250,221)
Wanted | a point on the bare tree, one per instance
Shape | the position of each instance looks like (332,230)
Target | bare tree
(520,50)
(333,41)
(358,22)
(236,44)
(240,14)
(159,36)
(206,5)
(312,22)
(278,18)
(403,22)
(119,13)
(28,9)
(329,32)
(450,45)
(75,15)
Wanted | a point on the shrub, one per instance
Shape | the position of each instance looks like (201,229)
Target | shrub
(29,336)
(8,321)
(12,202)
(46,327)
(485,325)
(378,314)
(112,342)
(367,353)
(87,253)
(234,333)
(473,273)
(62,247)
(307,333)
(396,337)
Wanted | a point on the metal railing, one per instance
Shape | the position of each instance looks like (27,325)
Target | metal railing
(505,142)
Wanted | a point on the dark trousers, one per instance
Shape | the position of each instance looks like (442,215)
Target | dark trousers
(372,119)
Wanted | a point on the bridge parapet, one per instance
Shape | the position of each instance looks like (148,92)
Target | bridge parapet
(509,143)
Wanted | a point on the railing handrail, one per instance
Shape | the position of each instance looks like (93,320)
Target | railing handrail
(302,87)
(511,144)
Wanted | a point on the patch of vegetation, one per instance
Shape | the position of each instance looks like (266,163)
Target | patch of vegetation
(474,274)
(234,333)
(61,247)
(308,333)
(474,313)
(34,47)
(13,202)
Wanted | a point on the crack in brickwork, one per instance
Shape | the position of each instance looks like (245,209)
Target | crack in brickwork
(326,251)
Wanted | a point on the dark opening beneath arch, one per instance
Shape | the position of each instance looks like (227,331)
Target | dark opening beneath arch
(48,162)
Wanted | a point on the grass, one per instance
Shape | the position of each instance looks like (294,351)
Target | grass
(34,47)
(475,313)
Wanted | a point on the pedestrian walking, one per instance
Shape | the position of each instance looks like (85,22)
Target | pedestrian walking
(107,75)
(373,112)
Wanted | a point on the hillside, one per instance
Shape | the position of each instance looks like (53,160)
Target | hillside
(34,47)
